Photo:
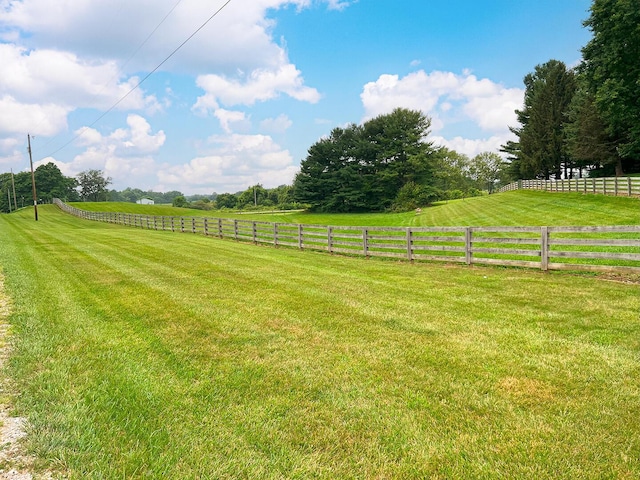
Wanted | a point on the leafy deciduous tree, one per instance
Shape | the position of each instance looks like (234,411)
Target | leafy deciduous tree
(93,185)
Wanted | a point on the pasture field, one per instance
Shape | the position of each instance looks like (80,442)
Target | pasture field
(516,208)
(148,354)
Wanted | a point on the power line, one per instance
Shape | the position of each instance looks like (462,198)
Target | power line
(126,62)
(84,129)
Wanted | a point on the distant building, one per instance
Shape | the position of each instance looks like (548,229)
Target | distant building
(145,201)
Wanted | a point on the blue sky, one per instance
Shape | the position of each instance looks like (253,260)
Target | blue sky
(243,100)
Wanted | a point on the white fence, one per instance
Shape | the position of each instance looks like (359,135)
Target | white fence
(618,186)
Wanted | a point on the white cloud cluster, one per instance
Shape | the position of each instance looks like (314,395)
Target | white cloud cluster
(448,99)
(259,86)
(233,163)
(126,154)
(39,89)
(59,56)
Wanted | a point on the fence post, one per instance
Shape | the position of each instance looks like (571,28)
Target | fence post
(206,226)
(173,224)
(593,185)
(275,234)
(468,242)
(544,248)
(365,242)
(193,224)
(235,229)
(330,239)
(409,244)
(253,231)
(615,186)
(220,227)
(300,243)
(629,186)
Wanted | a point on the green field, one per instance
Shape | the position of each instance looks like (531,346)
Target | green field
(149,354)
(523,207)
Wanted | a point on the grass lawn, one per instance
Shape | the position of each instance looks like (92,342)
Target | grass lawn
(148,354)
(522,207)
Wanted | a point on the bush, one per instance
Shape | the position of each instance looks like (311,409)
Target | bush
(180,201)
(412,196)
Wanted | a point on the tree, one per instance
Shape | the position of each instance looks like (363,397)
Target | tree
(612,72)
(400,152)
(451,173)
(93,185)
(541,148)
(588,141)
(51,183)
(332,177)
(363,168)
(226,200)
(252,197)
(180,202)
(486,169)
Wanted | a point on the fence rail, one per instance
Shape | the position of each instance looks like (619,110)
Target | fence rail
(617,186)
(614,248)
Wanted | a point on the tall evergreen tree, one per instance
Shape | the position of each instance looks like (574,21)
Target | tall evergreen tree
(541,148)
(587,137)
(612,71)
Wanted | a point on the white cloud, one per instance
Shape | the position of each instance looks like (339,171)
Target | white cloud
(38,119)
(259,86)
(280,124)
(471,147)
(240,36)
(233,163)
(49,76)
(229,118)
(126,154)
(490,105)
(338,4)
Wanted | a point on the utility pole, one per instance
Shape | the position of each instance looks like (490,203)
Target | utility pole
(33,180)
(13,183)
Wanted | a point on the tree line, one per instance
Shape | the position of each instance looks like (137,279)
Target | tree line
(387,163)
(586,118)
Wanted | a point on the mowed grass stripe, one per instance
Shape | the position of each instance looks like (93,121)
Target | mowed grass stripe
(516,208)
(143,354)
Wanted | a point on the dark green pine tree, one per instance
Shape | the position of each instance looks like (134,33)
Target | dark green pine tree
(541,148)
(611,71)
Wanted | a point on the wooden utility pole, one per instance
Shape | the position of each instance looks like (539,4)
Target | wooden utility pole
(13,184)
(33,180)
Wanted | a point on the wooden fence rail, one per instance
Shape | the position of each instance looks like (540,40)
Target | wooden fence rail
(614,248)
(617,186)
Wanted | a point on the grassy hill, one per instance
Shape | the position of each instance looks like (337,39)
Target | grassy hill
(147,354)
(521,207)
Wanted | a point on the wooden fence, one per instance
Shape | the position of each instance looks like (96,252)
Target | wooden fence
(618,186)
(615,248)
